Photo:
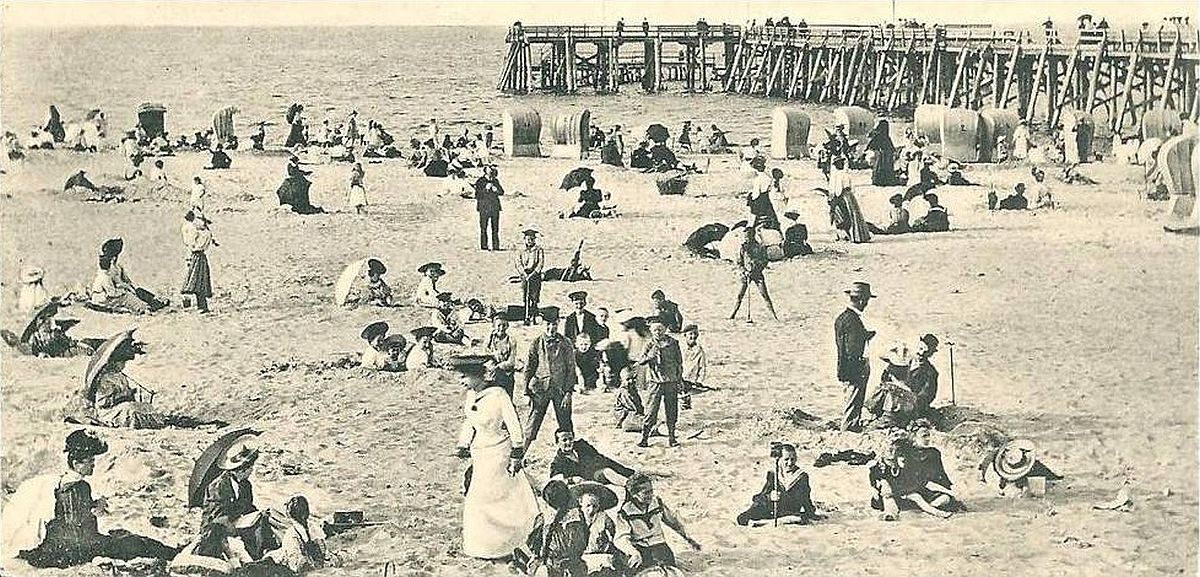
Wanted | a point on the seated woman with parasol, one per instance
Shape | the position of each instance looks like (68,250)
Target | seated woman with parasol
(110,398)
(234,533)
(893,403)
(46,335)
(51,520)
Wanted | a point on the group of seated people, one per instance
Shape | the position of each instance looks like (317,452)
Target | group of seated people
(936,218)
(591,202)
(52,520)
(451,156)
(1043,199)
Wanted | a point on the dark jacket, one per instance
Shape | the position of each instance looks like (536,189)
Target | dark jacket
(487,195)
(936,220)
(793,500)
(851,338)
(570,327)
(586,463)
(668,313)
(552,365)
(923,381)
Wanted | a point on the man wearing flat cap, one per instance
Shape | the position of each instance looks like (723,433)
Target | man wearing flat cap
(582,321)
(530,262)
(852,368)
(550,375)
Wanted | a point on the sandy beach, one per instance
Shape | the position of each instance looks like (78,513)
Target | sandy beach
(1076,328)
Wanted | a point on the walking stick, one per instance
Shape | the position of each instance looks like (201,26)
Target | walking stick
(775,501)
(953,400)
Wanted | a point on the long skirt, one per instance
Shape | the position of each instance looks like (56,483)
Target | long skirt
(199,278)
(883,173)
(855,227)
(358,195)
(132,415)
(499,510)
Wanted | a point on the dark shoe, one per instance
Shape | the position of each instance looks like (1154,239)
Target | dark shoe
(644,443)
(673,442)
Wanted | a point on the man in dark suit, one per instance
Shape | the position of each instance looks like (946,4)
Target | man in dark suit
(582,320)
(550,377)
(851,338)
(487,202)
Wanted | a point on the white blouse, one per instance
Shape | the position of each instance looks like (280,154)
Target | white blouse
(490,420)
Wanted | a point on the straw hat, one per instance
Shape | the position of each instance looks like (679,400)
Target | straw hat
(374,330)
(1015,459)
(434,266)
(606,498)
(240,454)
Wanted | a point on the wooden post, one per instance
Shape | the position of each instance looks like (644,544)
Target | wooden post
(901,72)
(1054,114)
(1130,73)
(1094,77)
(1013,64)
(880,68)
(703,49)
(569,69)
(658,64)
(801,60)
(1038,72)
(973,97)
(1169,77)
(959,71)
(831,81)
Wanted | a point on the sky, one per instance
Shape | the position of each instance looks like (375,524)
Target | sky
(58,13)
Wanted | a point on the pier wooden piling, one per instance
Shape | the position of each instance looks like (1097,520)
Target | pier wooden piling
(1106,73)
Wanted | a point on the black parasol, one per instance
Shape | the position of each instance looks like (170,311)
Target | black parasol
(576,178)
(206,470)
(658,133)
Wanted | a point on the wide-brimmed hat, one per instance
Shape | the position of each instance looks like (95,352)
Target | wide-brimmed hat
(1015,459)
(606,497)
(32,274)
(240,454)
(549,314)
(445,297)
(112,247)
(578,296)
(558,495)
(690,328)
(82,444)
(530,232)
(468,363)
(423,332)
(43,312)
(374,330)
(860,289)
(431,266)
(634,322)
(105,353)
(376,267)
(896,198)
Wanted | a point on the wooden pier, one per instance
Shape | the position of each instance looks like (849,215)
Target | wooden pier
(1118,74)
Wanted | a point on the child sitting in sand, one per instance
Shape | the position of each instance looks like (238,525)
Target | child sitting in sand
(907,476)
(420,354)
(378,291)
(785,497)
(381,352)
(640,522)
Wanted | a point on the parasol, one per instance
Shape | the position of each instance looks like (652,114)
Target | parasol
(205,469)
(345,282)
(46,311)
(658,133)
(103,354)
(576,178)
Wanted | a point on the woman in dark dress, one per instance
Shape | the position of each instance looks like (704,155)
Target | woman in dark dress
(785,496)
(72,537)
(883,173)
(296,136)
(589,201)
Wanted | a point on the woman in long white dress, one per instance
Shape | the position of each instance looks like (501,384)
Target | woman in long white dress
(500,508)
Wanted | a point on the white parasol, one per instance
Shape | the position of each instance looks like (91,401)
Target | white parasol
(345,281)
